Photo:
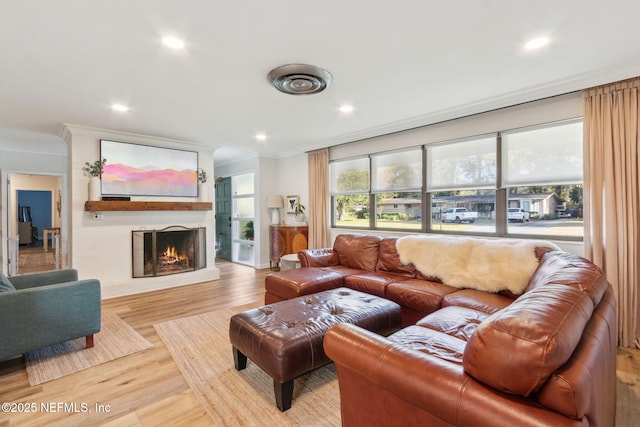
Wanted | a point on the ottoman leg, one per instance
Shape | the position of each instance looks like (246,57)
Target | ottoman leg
(239,359)
(284,394)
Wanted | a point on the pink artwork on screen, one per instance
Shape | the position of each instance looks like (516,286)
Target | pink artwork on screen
(141,170)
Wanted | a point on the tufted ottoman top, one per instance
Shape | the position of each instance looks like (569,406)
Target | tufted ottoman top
(285,338)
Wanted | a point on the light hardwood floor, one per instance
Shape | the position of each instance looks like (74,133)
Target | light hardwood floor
(147,389)
(33,259)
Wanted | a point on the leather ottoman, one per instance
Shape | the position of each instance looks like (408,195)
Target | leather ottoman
(285,338)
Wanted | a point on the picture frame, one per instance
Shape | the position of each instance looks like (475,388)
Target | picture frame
(143,170)
(291,203)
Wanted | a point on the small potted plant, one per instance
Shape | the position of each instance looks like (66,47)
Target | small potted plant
(299,211)
(248,233)
(93,171)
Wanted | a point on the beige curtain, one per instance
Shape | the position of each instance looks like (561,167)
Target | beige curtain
(612,195)
(318,198)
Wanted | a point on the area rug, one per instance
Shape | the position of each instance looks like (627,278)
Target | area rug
(116,339)
(36,259)
(200,347)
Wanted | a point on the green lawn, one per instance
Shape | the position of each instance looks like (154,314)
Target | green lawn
(561,227)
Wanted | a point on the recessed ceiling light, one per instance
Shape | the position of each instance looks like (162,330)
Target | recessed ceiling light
(121,108)
(346,108)
(261,137)
(537,43)
(173,42)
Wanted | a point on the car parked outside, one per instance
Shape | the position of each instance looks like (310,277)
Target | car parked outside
(517,214)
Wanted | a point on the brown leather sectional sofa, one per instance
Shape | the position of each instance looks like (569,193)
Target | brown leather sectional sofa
(467,357)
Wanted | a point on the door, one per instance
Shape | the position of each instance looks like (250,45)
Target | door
(223,218)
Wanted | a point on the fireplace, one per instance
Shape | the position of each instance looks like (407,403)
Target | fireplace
(172,250)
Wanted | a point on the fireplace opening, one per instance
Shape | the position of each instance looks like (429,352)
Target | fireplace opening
(172,250)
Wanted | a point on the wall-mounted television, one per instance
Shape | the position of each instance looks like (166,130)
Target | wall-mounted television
(144,170)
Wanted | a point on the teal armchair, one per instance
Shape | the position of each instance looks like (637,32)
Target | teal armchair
(41,309)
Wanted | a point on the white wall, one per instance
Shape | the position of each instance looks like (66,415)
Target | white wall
(293,180)
(558,108)
(101,248)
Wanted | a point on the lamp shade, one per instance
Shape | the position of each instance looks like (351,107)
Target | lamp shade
(275,202)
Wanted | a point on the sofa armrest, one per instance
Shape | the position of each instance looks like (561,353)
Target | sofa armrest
(423,380)
(50,314)
(45,278)
(375,373)
(325,257)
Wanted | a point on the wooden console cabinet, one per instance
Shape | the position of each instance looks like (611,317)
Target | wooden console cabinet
(286,239)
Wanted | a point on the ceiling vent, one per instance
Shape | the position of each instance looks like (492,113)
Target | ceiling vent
(299,79)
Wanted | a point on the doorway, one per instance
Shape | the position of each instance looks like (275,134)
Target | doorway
(33,213)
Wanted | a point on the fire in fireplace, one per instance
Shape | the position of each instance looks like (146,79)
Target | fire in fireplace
(171,250)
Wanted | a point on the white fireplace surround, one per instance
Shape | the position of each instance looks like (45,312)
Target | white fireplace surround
(99,246)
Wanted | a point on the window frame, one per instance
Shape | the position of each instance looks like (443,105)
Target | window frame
(501,192)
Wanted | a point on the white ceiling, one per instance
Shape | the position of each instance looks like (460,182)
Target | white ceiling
(401,64)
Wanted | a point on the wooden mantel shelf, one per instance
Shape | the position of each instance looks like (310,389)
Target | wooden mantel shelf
(100,206)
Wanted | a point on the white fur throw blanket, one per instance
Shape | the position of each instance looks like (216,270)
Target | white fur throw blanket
(490,265)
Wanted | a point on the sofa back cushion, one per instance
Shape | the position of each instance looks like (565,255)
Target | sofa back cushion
(516,349)
(389,260)
(357,251)
(5,284)
(570,270)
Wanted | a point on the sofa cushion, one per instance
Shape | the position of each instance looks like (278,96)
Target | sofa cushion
(530,339)
(5,284)
(477,300)
(459,322)
(430,341)
(357,251)
(372,283)
(417,294)
(389,260)
(571,270)
(346,271)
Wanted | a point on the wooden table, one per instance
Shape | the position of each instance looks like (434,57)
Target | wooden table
(286,239)
(54,231)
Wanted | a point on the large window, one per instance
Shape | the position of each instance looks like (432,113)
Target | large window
(397,185)
(461,183)
(542,172)
(382,191)
(350,184)
(521,182)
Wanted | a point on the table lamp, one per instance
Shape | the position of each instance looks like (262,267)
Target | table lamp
(276,203)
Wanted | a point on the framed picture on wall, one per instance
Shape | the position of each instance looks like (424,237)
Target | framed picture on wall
(143,170)
(291,203)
